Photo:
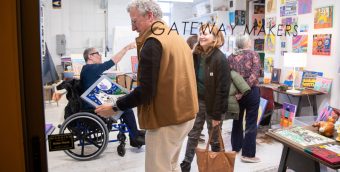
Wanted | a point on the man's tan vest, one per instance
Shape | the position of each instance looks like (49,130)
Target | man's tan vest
(175,101)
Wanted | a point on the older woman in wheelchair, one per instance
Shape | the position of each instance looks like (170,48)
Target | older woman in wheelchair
(91,132)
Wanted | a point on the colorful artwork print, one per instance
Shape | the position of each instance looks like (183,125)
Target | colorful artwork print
(282,11)
(298,79)
(325,113)
(270,22)
(258,44)
(259,9)
(304,28)
(287,114)
(268,68)
(134,64)
(305,6)
(283,40)
(276,75)
(288,25)
(56,4)
(322,44)
(103,91)
(232,18)
(271,6)
(309,78)
(282,2)
(302,137)
(269,46)
(283,44)
(323,84)
(290,8)
(323,17)
(240,17)
(300,43)
(258,22)
(288,80)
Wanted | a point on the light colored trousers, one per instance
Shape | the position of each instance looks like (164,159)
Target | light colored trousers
(163,146)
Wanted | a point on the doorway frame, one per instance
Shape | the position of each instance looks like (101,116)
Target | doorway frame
(31,88)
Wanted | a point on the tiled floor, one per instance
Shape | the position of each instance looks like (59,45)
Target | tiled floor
(133,161)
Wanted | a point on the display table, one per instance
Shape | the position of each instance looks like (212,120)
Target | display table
(310,94)
(294,156)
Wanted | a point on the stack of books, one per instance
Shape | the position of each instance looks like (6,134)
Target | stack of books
(327,152)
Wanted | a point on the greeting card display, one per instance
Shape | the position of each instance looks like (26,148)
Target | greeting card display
(103,91)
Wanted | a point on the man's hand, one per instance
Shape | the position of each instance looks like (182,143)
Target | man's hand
(130,46)
(105,111)
(117,57)
(215,123)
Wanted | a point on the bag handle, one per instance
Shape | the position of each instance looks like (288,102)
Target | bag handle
(220,140)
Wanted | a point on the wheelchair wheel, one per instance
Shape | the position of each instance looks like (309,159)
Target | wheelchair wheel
(90,135)
(121,149)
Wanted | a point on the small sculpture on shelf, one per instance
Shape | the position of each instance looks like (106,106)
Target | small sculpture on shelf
(326,128)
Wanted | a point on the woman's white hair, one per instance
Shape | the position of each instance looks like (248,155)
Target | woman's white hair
(241,42)
(145,6)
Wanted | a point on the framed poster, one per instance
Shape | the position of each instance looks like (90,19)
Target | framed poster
(276,74)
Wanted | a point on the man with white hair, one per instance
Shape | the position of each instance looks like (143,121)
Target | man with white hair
(166,94)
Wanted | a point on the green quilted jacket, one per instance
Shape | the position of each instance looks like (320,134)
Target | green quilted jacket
(238,85)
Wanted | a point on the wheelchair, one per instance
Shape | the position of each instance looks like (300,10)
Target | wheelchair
(90,132)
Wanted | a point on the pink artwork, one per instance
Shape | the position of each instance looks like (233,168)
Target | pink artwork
(305,6)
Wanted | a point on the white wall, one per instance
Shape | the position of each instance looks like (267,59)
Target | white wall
(326,64)
(179,13)
(117,16)
(82,22)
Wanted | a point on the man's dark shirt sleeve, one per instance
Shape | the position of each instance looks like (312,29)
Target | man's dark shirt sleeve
(92,72)
(149,65)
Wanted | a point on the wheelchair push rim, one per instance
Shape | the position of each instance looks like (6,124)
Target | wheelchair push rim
(90,135)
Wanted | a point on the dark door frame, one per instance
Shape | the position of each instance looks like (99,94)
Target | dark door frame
(31,91)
